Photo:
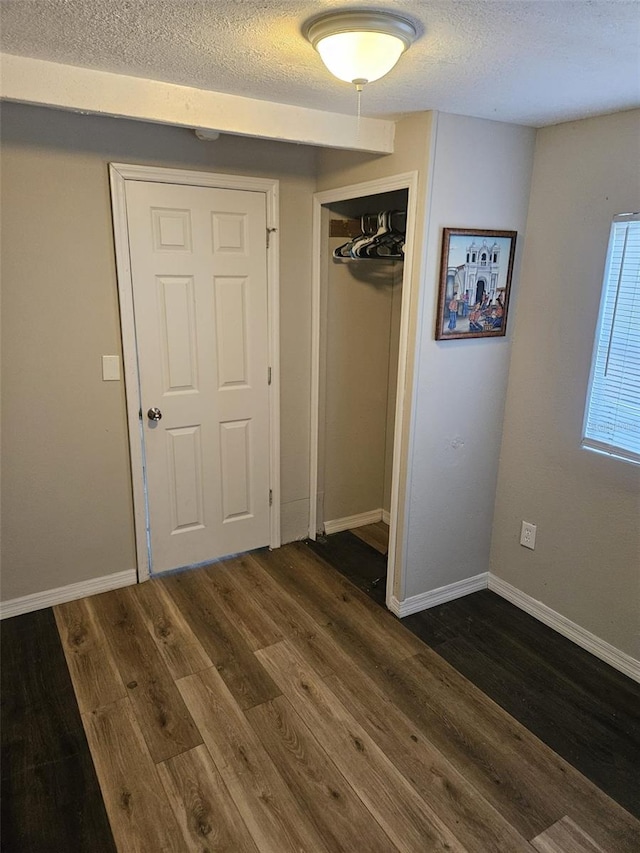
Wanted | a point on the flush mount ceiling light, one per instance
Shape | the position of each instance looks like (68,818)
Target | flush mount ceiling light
(360,46)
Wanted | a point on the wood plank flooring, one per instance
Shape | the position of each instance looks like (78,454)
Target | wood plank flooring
(50,796)
(376,535)
(579,706)
(355,559)
(565,836)
(266,704)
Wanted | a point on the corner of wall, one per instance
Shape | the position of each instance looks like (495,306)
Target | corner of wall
(460,386)
(585,565)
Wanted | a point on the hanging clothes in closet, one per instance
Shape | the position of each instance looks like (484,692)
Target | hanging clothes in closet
(383,236)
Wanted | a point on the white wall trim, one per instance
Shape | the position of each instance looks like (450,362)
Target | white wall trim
(68,87)
(130,365)
(404,181)
(316,313)
(50,597)
(425,600)
(119,174)
(580,636)
(386,516)
(423,293)
(272,192)
(349,521)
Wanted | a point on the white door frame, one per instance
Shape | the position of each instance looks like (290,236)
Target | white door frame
(119,174)
(406,181)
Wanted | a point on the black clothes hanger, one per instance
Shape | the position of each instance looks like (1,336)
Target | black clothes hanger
(389,241)
(382,237)
(368,226)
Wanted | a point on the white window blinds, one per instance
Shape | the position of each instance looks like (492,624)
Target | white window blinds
(612,417)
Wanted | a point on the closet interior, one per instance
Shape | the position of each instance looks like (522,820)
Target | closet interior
(361,299)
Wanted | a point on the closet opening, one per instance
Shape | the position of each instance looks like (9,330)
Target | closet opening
(361,304)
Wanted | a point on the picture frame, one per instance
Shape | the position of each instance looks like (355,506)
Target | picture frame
(476,268)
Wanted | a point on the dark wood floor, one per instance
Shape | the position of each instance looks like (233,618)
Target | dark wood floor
(51,801)
(585,710)
(266,704)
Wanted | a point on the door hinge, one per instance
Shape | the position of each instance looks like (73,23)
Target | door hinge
(269,377)
(269,230)
(270,497)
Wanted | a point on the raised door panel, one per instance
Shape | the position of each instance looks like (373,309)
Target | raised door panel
(231,331)
(229,232)
(235,453)
(171,229)
(185,478)
(176,301)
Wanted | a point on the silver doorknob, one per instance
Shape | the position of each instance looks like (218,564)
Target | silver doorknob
(154,414)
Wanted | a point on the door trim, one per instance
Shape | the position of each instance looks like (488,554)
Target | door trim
(119,174)
(397,526)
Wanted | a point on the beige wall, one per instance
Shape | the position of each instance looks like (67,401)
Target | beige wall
(411,151)
(66,494)
(481,179)
(357,338)
(394,345)
(586,564)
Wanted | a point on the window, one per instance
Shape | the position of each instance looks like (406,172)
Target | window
(612,417)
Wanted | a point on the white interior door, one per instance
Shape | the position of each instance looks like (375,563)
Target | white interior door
(199,277)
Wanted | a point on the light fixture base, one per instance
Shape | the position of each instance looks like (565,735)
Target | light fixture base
(365,21)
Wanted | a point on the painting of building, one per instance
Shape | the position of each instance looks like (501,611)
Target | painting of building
(475,279)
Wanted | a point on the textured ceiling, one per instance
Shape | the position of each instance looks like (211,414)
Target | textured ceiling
(533,62)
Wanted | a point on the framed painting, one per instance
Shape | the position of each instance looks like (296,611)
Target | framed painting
(475,282)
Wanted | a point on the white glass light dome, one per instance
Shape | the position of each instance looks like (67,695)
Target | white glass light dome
(359,47)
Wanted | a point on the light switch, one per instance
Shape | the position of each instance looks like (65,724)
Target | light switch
(110,367)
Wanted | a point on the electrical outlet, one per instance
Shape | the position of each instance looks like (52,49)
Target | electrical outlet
(528,535)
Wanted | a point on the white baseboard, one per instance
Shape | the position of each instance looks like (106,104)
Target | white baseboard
(580,636)
(340,524)
(416,603)
(600,648)
(386,516)
(49,597)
